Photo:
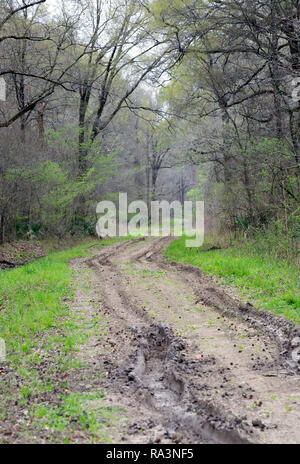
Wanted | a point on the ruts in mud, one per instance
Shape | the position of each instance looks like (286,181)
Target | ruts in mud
(181,371)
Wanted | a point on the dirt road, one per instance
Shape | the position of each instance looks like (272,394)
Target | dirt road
(185,359)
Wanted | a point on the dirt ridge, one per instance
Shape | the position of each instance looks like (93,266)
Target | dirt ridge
(169,388)
(285,332)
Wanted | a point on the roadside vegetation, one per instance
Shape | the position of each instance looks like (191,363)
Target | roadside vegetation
(266,280)
(42,335)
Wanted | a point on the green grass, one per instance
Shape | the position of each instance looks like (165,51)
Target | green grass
(32,297)
(268,283)
(38,327)
(75,409)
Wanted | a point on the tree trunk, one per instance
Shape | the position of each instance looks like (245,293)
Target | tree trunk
(2,228)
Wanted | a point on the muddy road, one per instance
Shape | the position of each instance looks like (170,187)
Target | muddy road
(185,359)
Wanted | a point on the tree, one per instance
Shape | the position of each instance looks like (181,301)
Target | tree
(39,56)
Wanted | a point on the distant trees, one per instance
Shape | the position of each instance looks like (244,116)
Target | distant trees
(123,49)
(81,84)
(235,82)
(81,68)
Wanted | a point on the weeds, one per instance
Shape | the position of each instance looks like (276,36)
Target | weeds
(42,335)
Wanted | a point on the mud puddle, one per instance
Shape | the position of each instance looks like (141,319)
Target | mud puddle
(164,379)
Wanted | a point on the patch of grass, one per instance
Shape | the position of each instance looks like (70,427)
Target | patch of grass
(34,296)
(39,329)
(74,410)
(268,283)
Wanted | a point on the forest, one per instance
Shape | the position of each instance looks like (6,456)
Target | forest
(158,99)
(182,100)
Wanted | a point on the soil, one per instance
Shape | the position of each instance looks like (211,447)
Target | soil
(181,357)
(189,362)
